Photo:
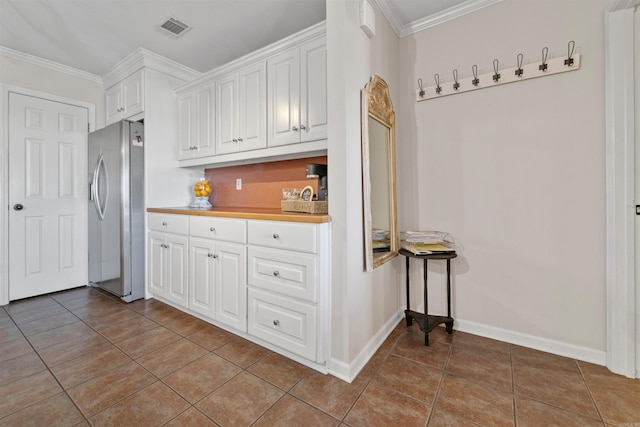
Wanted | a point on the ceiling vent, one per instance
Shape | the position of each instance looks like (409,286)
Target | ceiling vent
(173,27)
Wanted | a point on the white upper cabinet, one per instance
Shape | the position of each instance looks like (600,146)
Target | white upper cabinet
(297,94)
(241,113)
(195,123)
(271,104)
(126,98)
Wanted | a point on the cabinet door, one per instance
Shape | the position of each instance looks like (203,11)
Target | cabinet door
(252,107)
(283,93)
(204,122)
(133,94)
(113,104)
(201,276)
(177,273)
(226,114)
(157,264)
(231,285)
(313,91)
(186,106)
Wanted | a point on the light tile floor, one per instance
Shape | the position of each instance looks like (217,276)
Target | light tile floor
(83,357)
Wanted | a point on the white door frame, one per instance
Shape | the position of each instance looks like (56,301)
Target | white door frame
(4,170)
(623,307)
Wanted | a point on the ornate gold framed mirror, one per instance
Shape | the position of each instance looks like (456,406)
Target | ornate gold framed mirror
(378,174)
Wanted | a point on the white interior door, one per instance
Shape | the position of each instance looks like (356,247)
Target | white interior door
(47,196)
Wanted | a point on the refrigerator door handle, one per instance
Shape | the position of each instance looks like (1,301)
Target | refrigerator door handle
(95,185)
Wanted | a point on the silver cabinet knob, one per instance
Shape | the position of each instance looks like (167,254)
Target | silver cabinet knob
(295,129)
(302,127)
(212,229)
(164,224)
(239,139)
(235,140)
(214,256)
(276,236)
(276,273)
(276,323)
(18,207)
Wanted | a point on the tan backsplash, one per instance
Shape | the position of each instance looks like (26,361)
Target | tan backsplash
(262,183)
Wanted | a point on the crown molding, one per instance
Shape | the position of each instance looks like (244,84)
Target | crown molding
(615,5)
(431,20)
(141,58)
(41,62)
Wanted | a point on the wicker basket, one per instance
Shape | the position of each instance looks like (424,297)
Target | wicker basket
(305,206)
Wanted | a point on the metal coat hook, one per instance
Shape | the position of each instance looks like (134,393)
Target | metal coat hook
(421,93)
(496,75)
(519,70)
(570,47)
(456,85)
(475,80)
(543,66)
(437,79)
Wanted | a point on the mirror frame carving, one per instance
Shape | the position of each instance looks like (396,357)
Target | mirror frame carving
(376,103)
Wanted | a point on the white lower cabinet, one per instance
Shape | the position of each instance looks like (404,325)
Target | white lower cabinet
(168,254)
(288,277)
(202,277)
(265,278)
(218,278)
(285,322)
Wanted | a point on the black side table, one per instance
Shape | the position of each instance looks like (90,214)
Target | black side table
(426,321)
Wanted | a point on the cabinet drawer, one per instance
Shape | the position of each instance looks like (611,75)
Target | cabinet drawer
(284,322)
(178,224)
(289,273)
(230,230)
(283,235)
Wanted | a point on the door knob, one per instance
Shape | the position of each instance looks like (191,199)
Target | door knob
(18,207)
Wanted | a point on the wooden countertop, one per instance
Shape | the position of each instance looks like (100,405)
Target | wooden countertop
(246,213)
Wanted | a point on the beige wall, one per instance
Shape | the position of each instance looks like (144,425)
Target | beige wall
(516,172)
(361,302)
(30,76)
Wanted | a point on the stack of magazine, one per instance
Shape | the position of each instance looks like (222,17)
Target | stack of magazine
(427,242)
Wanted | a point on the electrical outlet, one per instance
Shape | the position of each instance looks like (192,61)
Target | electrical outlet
(239,184)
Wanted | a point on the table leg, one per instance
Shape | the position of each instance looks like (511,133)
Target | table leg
(426,304)
(449,326)
(409,319)
(448,288)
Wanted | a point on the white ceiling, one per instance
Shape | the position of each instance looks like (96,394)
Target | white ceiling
(94,35)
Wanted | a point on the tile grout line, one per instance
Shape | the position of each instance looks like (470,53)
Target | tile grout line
(586,384)
(443,373)
(513,387)
(48,369)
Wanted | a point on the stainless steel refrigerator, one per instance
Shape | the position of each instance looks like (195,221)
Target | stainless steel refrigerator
(116,209)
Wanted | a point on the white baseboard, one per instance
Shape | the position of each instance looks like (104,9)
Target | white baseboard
(585,354)
(348,371)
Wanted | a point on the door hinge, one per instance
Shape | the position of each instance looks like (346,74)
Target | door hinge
(637,209)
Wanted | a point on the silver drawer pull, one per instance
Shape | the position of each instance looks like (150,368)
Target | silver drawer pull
(276,273)
(276,236)
(212,229)
(276,323)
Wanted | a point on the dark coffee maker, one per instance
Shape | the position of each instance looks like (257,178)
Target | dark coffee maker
(315,170)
